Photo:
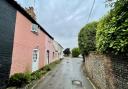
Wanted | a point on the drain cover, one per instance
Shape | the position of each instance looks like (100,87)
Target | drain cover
(77,83)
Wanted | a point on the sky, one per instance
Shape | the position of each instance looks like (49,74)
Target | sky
(63,19)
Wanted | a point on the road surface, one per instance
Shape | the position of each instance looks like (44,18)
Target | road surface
(67,75)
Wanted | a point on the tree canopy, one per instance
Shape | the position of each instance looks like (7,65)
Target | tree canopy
(67,52)
(86,38)
(112,31)
(75,52)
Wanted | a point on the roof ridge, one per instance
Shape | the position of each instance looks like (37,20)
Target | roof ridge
(22,10)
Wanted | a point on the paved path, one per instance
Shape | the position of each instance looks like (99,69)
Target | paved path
(64,76)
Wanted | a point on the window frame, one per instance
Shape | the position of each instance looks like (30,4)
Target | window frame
(34,28)
(35,52)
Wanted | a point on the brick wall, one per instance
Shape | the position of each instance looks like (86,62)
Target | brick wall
(107,72)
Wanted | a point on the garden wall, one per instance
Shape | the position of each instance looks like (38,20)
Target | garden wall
(107,72)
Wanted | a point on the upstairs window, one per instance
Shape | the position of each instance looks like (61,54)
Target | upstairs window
(34,28)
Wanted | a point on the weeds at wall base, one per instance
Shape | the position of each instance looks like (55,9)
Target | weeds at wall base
(27,80)
(87,75)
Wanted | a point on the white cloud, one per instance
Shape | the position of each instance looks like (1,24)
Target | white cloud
(63,19)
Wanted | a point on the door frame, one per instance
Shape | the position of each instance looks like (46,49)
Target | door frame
(48,52)
(36,65)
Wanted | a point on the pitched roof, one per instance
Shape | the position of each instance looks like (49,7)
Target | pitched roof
(22,10)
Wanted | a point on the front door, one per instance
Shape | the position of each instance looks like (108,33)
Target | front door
(35,60)
(47,55)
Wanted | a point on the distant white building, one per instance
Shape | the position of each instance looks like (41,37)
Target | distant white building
(59,49)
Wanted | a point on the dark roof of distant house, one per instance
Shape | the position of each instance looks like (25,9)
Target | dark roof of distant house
(22,10)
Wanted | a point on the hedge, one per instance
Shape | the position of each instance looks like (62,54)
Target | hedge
(112,30)
(75,52)
(87,39)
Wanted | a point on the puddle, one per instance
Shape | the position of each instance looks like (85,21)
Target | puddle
(67,62)
(77,83)
(50,84)
(53,75)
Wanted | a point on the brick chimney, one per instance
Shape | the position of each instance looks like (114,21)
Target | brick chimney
(31,12)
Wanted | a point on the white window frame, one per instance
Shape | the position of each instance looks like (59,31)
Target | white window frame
(34,28)
(35,53)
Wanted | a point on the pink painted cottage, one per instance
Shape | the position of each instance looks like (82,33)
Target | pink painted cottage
(24,44)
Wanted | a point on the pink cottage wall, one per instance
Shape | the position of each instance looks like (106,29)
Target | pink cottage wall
(49,46)
(24,43)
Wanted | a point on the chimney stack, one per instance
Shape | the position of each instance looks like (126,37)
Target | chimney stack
(31,12)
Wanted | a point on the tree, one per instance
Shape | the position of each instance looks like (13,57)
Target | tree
(75,52)
(109,3)
(86,38)
(112,31)
(67,52)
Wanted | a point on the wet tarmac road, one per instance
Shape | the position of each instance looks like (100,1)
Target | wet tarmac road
(67,75)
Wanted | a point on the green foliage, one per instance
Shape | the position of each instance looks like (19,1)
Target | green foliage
(47,68)
(75,52)
(112,30)
(37,74)
(86,38)
(19,79)
(67,52)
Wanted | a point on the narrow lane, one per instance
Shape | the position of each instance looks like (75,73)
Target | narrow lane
(67,75)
